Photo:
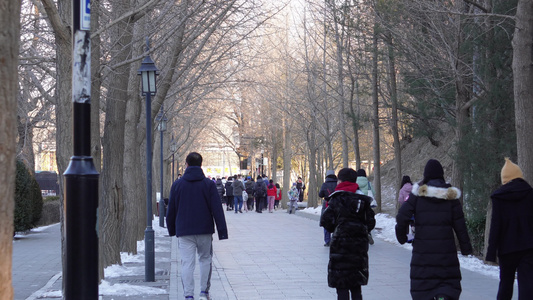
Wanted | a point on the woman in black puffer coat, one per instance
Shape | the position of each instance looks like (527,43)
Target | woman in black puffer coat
(350,218)
(435,271)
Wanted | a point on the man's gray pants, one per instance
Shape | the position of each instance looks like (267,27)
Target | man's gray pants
(188,246)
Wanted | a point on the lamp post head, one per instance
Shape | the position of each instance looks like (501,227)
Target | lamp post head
(173,146)
(148,72)
(162,119)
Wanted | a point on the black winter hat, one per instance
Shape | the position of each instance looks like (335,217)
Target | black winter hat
(433,170)
(361,173)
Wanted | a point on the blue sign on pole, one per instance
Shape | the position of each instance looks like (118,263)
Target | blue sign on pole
(85,15)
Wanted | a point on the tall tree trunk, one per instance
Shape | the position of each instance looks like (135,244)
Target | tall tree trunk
(523,85)
(96,84)
(134,164)
(25,142)
(339,38)
(63,108)
(375,117)
(328,136)
(287,157)
(312,191)
(112,200)
(462,97)
(274,156)
(9,51)
(394,115)
(354,113)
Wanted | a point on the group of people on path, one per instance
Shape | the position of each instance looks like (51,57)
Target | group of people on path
(238,192)
(432,204)
(433,208)
(195,206)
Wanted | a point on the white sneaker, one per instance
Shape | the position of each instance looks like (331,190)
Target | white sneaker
(204,296)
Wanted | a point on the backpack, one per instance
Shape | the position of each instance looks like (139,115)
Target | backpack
(260,190)
(220,189)
(250,189)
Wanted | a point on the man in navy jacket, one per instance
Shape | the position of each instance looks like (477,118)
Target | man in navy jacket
(193,210)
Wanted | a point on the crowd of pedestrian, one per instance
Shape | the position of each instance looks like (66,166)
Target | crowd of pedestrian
(430,216)
(242,192)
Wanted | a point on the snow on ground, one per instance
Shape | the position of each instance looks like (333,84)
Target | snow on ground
(114,271)
(123,289)
(385,231)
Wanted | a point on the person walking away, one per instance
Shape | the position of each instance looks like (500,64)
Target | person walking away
(238,188)
(229,193)
(245,200)
(301,188)
(350,218)
(265,199)
(405,189)
(220,189)
(511,233)
(260,194)
(193,210)
(271,195)
(293,198)
(364,184)
(366,188)
(278,196)
(438,213)
(326,189)
(249,188)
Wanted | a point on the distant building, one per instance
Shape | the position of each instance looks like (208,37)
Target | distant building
(48,182)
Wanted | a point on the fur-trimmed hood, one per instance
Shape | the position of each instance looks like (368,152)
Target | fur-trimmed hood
(450,193)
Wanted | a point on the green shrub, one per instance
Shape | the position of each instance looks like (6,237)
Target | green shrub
(476,230)
(28,199)
(51,211)
(50,198)
(23,216)
(36,198)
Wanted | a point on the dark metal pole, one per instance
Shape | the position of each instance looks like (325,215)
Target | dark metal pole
(149,259)
(161,201)
(81,178)
(172,167)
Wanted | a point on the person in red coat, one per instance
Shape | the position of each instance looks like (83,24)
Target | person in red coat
(271,195)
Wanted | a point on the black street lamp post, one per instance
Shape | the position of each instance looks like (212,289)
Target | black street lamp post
(148,72)
(162,127)
(173,149)
(80,273)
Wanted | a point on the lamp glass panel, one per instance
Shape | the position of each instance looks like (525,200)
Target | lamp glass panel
(145,86)
(151,81)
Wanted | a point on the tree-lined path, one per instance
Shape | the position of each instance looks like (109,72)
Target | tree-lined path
(267,256)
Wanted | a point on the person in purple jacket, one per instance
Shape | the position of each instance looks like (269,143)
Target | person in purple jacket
(193,210)
(405,189)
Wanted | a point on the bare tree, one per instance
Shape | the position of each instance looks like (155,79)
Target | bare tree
(9,51)
(375,120)
(523,87)
(59,20)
